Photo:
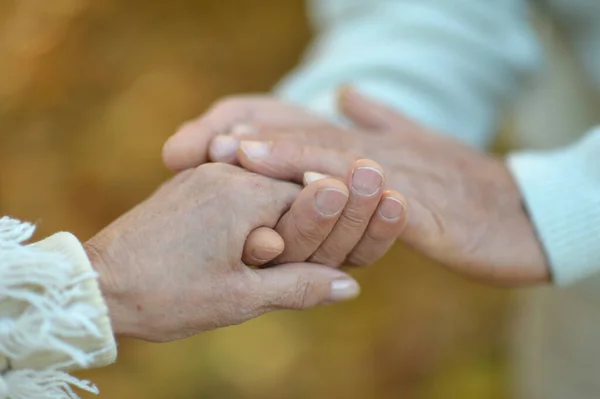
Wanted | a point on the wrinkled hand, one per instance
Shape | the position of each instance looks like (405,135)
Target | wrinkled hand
(189,147)
(172,267)
(369,224)
(465,209)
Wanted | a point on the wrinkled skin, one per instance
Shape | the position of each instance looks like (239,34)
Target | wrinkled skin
(172,266)
(464,208)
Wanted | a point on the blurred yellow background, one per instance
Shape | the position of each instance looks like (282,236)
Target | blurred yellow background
(90,90)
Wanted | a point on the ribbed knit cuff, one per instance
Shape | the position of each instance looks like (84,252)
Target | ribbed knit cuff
(561,190)
(100,346)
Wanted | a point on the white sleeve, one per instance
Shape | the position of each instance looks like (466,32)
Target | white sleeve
(561,190)
(52,315)
(449,64)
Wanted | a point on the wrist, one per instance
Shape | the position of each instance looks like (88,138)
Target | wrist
(112,286)
(534,258)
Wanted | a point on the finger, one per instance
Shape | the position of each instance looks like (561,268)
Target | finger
(289,161)
(303,285)
(223,148)
(268,200)
(262,246)
(189,146)
(366,189)
(385,227)
(370,114)
(311,177)
(310,219)
(317,135)
(260,199)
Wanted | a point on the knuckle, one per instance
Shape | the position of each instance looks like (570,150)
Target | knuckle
(311,233)
(360,258)
(299,296)
(205,173)
(227,103)
(207,169)
(222,179)
(216,169)
(353,218)
(328,257)
(303,152)
(238,108)
(242,300)
(378,234)
(179,178)
(291,151)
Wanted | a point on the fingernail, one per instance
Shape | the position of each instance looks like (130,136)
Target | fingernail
(255,149)
(391,209)
(310,177)
(344,290)
(367,181)
(243,130)
(265,254)
(223,147)
(330,201)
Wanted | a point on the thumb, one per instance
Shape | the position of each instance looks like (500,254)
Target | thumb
(303,285)
(370,114)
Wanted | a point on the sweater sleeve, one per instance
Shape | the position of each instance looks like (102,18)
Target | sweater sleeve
(52,315)
(561,190)
(449,64)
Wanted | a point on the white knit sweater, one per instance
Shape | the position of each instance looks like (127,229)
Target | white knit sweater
(52,315)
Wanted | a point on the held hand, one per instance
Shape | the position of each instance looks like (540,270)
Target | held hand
(369,224)
(189,147)
(465,209)
(171,267)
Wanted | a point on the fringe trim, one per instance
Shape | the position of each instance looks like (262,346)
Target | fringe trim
(32,384)
(52,309)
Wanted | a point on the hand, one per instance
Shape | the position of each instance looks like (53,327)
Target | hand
(372,218)
(171,267)
(465,209)
(189,147)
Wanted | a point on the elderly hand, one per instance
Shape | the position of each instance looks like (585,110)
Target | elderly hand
(172,267)
(369,224)
(465,209)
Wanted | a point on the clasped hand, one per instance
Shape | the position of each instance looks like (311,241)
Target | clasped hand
(178,263)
